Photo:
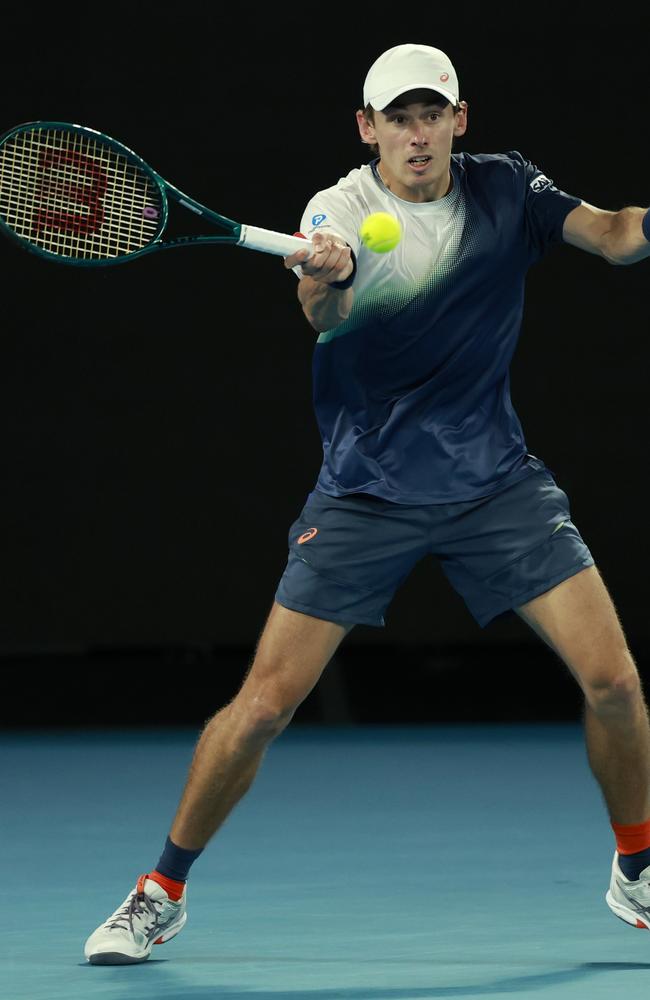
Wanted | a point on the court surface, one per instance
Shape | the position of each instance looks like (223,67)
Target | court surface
(366,864)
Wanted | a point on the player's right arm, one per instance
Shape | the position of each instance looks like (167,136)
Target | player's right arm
(323,305)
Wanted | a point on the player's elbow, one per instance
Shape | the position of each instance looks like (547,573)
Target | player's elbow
(620,261)
(320,320)
(320,326)
(305,301)
(313,320)
(616,261)
(324,307)
(624,243)
(613,255)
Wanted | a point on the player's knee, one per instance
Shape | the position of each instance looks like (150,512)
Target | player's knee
(266,714)
(614,687)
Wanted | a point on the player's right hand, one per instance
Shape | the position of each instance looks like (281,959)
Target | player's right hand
(331,259)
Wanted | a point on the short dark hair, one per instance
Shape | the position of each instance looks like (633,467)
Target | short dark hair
(369,113)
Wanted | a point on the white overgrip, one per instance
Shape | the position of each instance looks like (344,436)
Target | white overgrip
(269,242)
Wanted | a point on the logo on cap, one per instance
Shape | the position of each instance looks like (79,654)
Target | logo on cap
(317,219)
(444,77)
(307,535)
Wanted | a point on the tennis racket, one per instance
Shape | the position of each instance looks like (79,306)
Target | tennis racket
(74,195)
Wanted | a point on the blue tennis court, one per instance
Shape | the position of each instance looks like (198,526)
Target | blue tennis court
(367,863)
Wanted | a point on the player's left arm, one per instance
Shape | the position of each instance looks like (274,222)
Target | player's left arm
(616,236)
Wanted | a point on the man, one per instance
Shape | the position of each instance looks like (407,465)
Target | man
(423,453)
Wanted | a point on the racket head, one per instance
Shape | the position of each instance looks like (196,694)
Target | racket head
(72,194)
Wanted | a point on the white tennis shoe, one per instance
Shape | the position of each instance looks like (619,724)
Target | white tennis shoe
(630,900)
(146,917)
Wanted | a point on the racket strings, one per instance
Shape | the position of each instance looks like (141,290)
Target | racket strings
(76,196)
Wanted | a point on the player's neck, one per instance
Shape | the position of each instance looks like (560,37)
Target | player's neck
(437,189)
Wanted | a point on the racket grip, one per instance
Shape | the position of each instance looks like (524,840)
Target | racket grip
(269,242)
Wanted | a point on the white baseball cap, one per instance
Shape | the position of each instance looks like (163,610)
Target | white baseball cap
(409,67)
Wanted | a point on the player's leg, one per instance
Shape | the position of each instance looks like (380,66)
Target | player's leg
(525,553)
(347,555)
(578,620)
(291,654)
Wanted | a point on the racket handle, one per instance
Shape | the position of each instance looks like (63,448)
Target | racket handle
(269,242)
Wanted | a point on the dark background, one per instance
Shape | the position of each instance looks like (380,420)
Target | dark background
(157,432)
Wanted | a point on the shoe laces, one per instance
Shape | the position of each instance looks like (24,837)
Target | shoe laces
(137,907)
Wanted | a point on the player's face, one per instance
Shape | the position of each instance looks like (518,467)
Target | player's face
(415,143)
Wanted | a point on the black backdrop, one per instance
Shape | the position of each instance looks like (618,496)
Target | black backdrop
(157,430)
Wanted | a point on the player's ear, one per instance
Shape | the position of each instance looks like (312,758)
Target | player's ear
(366,128)
(460,125)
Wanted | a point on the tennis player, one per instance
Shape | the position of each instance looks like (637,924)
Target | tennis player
(423,453)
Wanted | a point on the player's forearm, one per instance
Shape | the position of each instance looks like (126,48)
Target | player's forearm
(325,307)
(625,242)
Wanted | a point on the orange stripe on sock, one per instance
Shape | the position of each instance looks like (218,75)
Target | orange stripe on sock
(632,839)
(173,888)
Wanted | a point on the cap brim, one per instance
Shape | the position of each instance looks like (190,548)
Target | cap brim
(381,101)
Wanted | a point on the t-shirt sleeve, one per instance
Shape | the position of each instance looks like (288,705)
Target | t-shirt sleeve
(332,211)
(546,206)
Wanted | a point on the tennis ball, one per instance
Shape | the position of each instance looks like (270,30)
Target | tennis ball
(380,232)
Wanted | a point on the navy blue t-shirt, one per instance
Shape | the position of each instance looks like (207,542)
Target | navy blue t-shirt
(411,393)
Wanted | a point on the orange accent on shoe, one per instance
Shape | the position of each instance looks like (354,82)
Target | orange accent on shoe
(632,839)
(173,888)
(307,535)
(139,888)
(642,926)
(160,941)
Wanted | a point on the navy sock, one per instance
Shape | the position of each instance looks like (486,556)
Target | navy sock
(633,864)
(175,862)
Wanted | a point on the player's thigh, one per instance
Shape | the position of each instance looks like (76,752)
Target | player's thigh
(292,652)
(578,620)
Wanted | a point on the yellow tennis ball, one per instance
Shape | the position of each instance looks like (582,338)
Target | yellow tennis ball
(380,232)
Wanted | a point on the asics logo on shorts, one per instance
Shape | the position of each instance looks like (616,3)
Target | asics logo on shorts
(307,535)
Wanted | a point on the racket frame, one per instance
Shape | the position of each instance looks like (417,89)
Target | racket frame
(234,229)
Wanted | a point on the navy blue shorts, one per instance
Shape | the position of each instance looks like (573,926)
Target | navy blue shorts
(348,555)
